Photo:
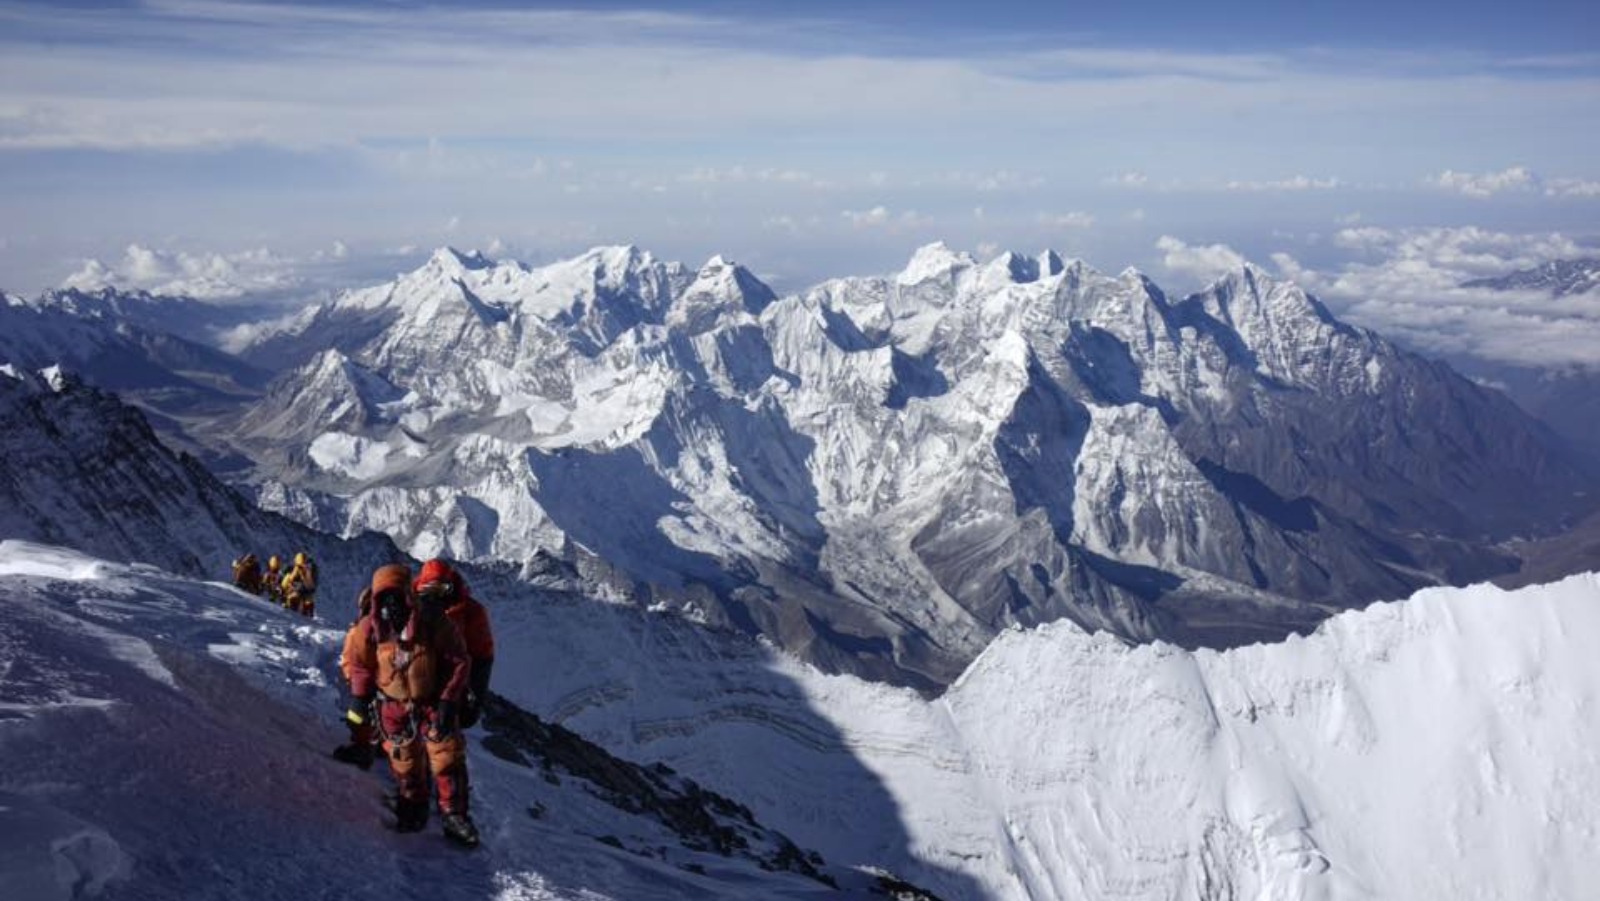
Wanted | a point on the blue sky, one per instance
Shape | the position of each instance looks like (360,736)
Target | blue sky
(348,138)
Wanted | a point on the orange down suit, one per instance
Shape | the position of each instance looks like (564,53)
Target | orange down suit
(472,621)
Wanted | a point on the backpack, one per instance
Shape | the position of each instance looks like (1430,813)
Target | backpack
(246,569)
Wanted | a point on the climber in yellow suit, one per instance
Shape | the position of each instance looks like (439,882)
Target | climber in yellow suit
(300,586)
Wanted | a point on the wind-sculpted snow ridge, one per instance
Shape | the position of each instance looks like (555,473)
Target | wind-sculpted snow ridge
(883,473)
(1439,747)
(166,738)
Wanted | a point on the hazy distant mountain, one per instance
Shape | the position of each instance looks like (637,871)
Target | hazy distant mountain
(152,351)
(1566,398)
(1559,277)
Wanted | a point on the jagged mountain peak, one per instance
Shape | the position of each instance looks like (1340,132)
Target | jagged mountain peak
(1251,297)
(331,363)
(1050,263)
(934,261)
(720,287)
(450,258)
(613,264)
(1011,267)
(52,379)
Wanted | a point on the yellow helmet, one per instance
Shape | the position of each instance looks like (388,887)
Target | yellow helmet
(273,562)
(301,559)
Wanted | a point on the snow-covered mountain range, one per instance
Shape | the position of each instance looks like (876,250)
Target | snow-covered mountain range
(883,473)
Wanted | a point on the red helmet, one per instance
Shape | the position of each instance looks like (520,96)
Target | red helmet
(439,579)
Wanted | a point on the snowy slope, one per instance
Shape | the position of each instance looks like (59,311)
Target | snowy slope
(168,739)
(883,473)
(1438,747)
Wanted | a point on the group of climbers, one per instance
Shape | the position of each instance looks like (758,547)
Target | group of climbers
(417,662)
(295,590)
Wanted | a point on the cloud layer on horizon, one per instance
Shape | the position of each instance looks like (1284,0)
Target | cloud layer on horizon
(807,146)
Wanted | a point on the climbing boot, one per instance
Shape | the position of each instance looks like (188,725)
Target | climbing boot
(458,828)
(354,754)
(410,816)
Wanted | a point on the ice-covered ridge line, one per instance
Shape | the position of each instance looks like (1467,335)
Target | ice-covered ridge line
(1436,747)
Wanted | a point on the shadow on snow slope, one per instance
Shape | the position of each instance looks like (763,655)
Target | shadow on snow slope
(712,705)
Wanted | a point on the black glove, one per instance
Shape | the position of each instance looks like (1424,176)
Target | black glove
(471,710)
(444,720)
(482,667)
(360,711)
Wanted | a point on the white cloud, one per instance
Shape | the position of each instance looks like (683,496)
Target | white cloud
(1127,180)
(1291,269)
(998,180)
(785,223)
(208,276)
(1293,183)
(881,217)
(1205,262)
(878,215)
(1407,284)
(1486,184)
(1516,178)
(737,174)
(1074,219)
(602,75)
(1572,187)
(245,334)
(1452,255)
